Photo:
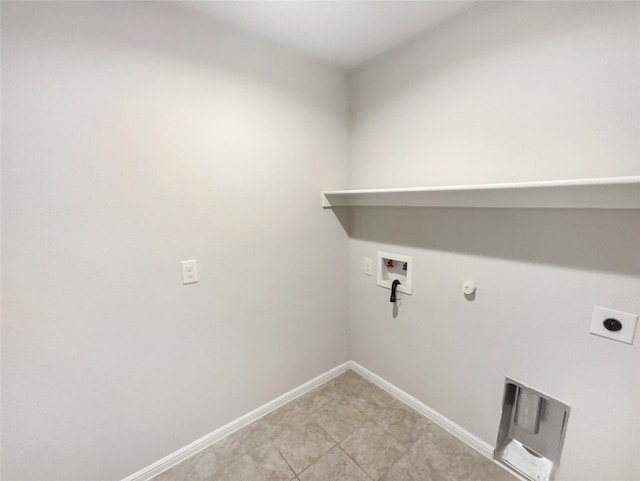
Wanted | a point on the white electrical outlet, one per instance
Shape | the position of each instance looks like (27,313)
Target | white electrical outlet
(189,271)
(612,324)
(368,266)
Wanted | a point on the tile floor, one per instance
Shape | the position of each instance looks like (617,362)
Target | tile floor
(345,430)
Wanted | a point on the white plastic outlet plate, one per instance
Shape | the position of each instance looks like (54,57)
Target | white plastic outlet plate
(628,321)
(386,275)
(189,271)
(368,266)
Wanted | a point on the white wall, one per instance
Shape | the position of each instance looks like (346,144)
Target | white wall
(136,136)
(506,92)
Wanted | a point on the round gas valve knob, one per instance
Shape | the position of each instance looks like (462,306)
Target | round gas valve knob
(468,288)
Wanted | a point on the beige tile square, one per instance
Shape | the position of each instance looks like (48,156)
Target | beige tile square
(363,395)
(262,464)
(237,444)
(440,456)
(199,467)
(402,422)
(270,426)
(339,419)
(291,414)
(373,449)
(301,445)
(347,376)
(317,398)
(413,466)
(263,430)
(334,466)
(350,379)
(449,456)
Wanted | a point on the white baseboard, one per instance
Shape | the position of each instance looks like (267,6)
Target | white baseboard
(452,428)
(463,435)
(204,442)
(171,460)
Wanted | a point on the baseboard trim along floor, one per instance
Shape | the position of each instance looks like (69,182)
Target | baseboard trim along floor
(204,442)
(435,417)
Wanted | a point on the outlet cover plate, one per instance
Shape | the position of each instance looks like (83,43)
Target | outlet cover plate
(368,266)
(627,319)
(189,271)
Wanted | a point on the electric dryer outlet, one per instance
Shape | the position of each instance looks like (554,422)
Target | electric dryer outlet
(612,324)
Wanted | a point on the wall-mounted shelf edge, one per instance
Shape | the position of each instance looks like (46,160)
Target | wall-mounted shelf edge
(600,193)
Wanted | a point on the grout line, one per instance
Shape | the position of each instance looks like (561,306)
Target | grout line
(462,434)
(355,462)
(318,458)
(391,434)
(335,443)
(396,461)
(295,475)
(149,472)
(396,394)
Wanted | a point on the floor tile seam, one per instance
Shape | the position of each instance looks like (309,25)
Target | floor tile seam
(268,443)
(405,449)
(356,462)
(225,466)
(401,457)
(422,433)
(329,435)
(335,397)
(315,460)
(366,418)
(353,431)
(323,405)
(295,475)
(348,420)
(379,409)
(226,463)
(335,443)
(246,453)
(338,441)
(403,444)
(377,413)
(363,413)
(308,413)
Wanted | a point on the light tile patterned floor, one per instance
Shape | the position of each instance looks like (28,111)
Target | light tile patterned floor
(346,430)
